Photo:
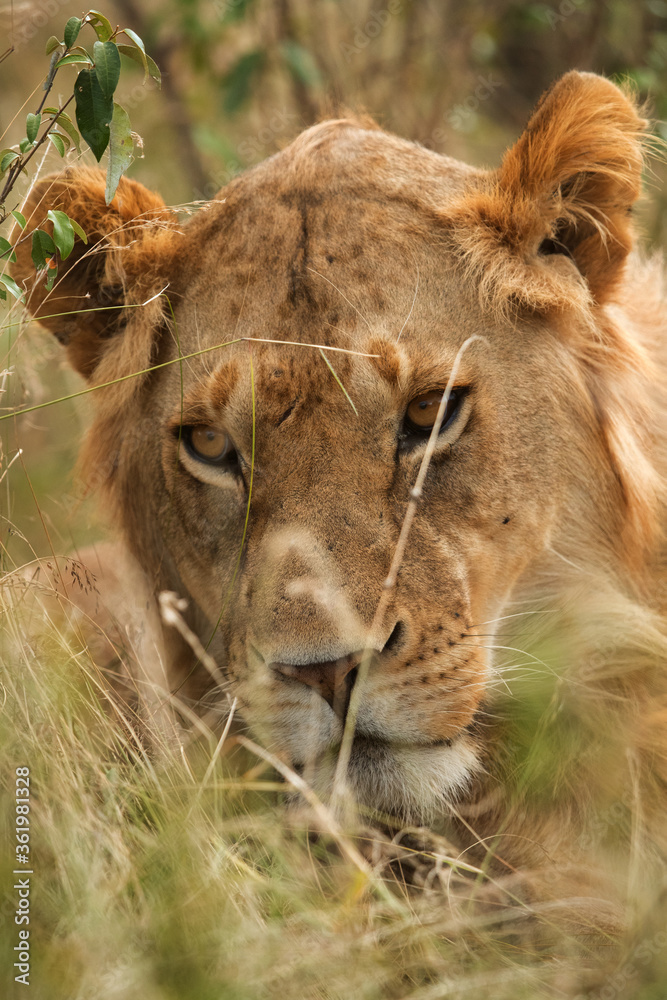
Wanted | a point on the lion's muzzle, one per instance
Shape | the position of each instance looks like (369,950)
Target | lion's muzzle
(332,680)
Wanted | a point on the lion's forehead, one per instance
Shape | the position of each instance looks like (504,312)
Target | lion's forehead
(343,218)
(346,158)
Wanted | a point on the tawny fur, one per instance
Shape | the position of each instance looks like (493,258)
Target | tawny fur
(546,496)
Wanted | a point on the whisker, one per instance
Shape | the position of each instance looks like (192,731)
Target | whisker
(515,649)
(526,667)
(568,562)
(518,614)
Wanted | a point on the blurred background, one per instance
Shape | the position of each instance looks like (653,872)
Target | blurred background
(240,78)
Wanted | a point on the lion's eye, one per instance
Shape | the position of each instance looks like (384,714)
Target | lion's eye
(208,444)
(423,410)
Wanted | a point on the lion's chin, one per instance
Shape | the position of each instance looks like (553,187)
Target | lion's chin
(412,783)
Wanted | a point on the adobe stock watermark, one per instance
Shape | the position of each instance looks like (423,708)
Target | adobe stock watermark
(22,877)
(133,98)
(462,116)
(618,984)
(613,816)
(278,123)
(26,26)
(225,7)
(364,34)
(565,9)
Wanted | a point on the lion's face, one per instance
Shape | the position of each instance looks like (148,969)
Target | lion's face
(331,486)
(269,480)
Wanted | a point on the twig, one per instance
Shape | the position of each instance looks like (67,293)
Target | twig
(19,165)
(340,776)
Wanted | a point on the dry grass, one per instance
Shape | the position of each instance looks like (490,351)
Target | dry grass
(184,873)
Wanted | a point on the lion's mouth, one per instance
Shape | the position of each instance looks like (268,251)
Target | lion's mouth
(368,748)
(365,743)
(411,780)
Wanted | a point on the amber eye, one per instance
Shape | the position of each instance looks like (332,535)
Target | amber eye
(423,410)
(208,444)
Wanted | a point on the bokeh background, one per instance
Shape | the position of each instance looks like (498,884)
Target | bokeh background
(240,79)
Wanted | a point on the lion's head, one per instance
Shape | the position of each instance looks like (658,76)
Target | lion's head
(262,423)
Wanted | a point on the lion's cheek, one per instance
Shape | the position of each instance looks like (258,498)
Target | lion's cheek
(430,704)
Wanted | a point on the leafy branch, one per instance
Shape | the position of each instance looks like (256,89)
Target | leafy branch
(100,122)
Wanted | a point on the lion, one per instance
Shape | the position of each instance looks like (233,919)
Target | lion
(364,413)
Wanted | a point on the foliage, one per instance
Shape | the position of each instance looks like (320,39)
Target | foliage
(101,122)
(182,874)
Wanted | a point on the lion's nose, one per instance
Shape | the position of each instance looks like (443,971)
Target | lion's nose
(333,680)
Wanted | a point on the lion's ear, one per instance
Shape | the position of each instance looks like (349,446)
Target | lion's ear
(82,307)
(568,184)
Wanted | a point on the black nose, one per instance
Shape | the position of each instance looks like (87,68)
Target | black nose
(332,680)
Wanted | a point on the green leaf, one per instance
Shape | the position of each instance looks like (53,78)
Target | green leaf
(63,232)
(20,219)
(138,55)
(7,251)
(65,123)
(107,66)
(94,112)
(121,147)
(301,64)
(25,145)
(238,80)
(74,57)
(150,67)
(7,156)
(101,24)
(32,124)
(58,142)
(154,71)
(78,230)
(43,248)
(62,116)
(72,29)
(135,38)
(11,287)
(52,45)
